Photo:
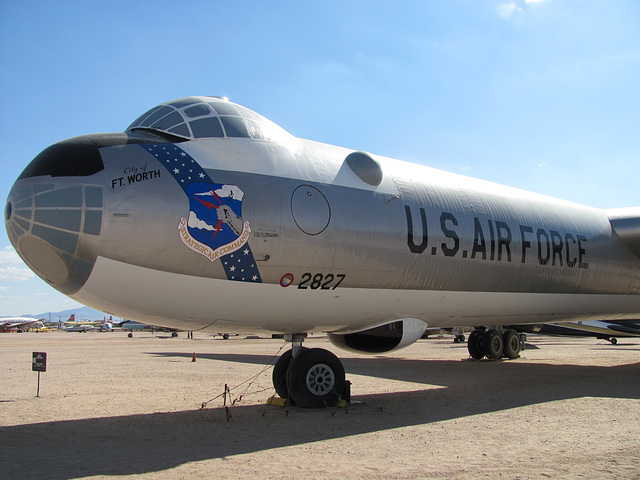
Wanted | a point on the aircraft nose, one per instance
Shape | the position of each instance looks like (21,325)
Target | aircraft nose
(54,210)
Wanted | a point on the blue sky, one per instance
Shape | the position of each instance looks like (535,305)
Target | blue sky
(541,95)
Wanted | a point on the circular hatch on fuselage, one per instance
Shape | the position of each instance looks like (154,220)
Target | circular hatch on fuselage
(310,209)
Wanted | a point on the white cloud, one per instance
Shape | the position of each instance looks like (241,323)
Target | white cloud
(15,274)
(230,191)
(11,266)
(506,10)
(195,222)
(226,191)
(8,256)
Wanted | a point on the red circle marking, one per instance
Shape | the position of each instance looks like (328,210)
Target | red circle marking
(286,280)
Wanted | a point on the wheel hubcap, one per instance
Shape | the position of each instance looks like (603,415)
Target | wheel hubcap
(320,379)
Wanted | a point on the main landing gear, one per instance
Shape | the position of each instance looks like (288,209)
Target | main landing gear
(309,377)
(493,343)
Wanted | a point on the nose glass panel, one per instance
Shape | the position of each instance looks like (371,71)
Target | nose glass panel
(46,225)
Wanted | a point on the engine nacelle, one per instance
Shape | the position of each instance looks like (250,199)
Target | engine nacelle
(383,338)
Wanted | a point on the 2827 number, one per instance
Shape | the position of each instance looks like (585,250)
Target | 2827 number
(321,281)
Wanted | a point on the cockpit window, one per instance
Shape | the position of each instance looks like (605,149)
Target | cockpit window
(206,128)
(181,130)
(234,126)
(224,109)
(209,117)
(153,115)
(168,121)
(197,111)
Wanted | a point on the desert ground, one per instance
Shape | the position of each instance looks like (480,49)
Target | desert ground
(117,407)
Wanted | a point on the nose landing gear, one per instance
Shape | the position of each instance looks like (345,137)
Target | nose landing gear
(309,377)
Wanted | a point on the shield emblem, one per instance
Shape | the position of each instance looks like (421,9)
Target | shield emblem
(215,214)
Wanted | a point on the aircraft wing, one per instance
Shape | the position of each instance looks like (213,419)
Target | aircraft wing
(20,324)
(596,328)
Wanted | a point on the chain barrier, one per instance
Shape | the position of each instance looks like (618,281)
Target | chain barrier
(226,395)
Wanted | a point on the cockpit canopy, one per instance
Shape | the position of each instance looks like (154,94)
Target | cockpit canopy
(209,117)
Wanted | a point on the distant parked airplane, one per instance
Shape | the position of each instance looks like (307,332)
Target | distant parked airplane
(19,323)
(131,326)
(81,326)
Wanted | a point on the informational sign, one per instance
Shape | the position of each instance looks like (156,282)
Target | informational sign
(39,362)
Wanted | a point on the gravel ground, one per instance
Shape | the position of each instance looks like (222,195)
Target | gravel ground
(112,406)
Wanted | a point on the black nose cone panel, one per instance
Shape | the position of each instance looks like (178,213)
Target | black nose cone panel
(80,156)
(76,157)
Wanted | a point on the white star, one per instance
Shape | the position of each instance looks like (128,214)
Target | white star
(183,154)
(246,251)
(176,171)
(254,278)
(233,268)
(201,175)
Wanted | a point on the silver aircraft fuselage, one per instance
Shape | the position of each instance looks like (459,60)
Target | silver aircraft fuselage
(184,222)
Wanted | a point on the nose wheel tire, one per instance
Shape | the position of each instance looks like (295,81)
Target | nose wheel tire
(279,375)
(315,378)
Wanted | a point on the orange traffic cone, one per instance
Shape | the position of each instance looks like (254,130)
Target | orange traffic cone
(194,357)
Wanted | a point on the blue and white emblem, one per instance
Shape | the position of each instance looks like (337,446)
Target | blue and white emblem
(214,227)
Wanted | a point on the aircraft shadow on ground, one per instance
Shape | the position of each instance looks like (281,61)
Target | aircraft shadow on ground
(138,444)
